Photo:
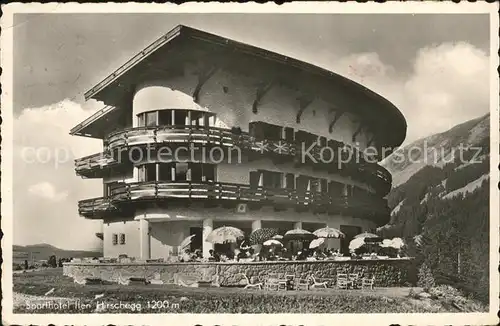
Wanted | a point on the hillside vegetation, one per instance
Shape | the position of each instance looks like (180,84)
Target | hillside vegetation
(443,210)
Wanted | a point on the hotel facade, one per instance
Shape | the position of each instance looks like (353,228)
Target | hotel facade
(200,131)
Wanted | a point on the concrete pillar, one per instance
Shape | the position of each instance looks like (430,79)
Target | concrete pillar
(257,224)
(208,226)
(144,239)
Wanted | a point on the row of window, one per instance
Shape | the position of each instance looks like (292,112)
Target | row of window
(173,117)
(199,172)
(263,130)
(115,238)
(258,129)
(177,172)
(270,179)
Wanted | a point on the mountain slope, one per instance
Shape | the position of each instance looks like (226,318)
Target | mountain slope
(435,150)
(440,204)
(43,251)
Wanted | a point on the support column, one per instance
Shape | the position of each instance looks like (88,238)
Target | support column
(208,226)
(297,225)
(257,224)
(144,239)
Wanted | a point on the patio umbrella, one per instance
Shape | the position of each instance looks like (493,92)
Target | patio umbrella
(396,243)
(187,241)
(278,237)
(272,242)
(329,233)
(316,243)
(368,237)
(386,243)
(225,234)
(356,243)
(259,236)
(299,234)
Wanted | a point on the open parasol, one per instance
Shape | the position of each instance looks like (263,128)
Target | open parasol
(356,243)
(368,237)
(187,241)
(316,243)
(272,242)
(278,237)
(225,234)
(259,236)
(396,243)
(328,232)
(299,234)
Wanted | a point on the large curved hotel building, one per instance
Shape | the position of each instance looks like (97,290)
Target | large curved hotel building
(200,131)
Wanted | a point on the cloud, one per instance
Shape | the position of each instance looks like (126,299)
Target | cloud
(48,191)
(45,186)
(448,84)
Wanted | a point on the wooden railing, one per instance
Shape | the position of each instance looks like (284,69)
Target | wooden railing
(94,161)
(214,191)
(225,137)
(96,207)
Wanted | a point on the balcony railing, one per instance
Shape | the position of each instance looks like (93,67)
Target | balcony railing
(319,202)
(94,161)
(224,137)
(96,207)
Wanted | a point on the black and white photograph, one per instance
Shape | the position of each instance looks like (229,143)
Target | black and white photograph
(227,164)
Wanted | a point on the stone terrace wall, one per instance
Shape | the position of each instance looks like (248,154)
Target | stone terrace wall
(390,272)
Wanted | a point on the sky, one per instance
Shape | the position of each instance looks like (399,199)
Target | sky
(434,67)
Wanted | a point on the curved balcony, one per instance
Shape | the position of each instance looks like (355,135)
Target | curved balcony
(96,208)
(371,207)
(372,173)
(91,166)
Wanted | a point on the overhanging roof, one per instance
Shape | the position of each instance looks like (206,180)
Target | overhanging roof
(95,126)
(187,40)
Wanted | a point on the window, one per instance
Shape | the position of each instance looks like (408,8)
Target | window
(166,171)
(289,134)
(208,172)
(165,117)
(265,131)
(180,117)
(122,238)
(323,185)
(115,239)
(150,172)
(272,179)
(181,172)
(255,179)
(140,120)
(335,188)
(290,181)
(152,119)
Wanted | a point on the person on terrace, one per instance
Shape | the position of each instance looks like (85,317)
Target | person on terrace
(186,256)
(213,256)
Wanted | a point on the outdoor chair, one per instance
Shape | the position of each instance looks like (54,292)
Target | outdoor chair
(315,284)
(302,283)
(343,281)
(368,282)
(355,280)
(271,283)
(290,279)
(249,284)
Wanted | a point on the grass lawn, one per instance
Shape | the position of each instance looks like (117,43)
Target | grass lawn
(176,299)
